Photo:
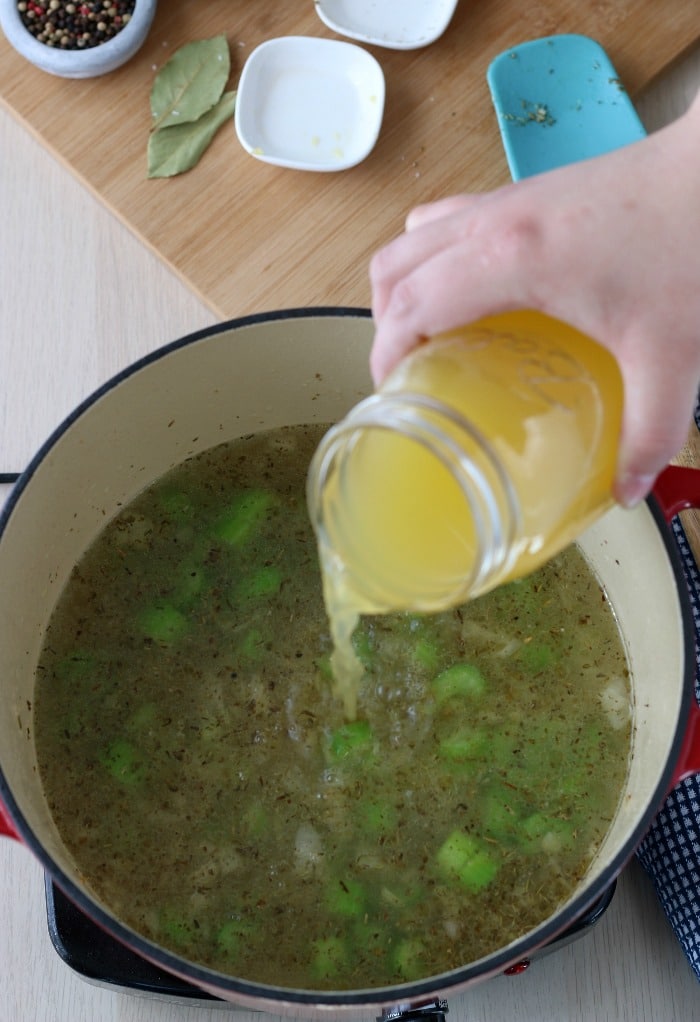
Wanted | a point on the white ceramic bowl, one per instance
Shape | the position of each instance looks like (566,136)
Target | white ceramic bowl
(87,63)
(407,25)
(309,103)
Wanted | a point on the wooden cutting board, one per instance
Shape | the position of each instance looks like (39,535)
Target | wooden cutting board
(249,237)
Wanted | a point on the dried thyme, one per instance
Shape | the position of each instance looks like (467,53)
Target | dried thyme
(533,113)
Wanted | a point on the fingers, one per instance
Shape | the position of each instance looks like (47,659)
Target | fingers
(399,258)
(460,258)
(444,274)
(597,244)
(429,228)
(437,210)
(407,318)
(659,398)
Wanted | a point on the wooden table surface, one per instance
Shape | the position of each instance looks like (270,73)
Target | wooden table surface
(81,298)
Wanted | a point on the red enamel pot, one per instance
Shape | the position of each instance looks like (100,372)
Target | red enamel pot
(260,372)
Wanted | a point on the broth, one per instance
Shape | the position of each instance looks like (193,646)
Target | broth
(215,797)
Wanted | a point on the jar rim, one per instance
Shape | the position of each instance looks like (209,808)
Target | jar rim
(490,499)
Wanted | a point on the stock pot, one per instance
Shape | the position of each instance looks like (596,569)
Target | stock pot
(263,371)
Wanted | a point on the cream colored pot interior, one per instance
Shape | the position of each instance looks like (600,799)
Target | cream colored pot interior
(260,375)
(626,552)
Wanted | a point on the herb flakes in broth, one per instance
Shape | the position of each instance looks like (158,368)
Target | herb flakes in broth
(213,793)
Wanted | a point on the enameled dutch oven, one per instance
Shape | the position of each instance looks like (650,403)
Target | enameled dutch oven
(264,371)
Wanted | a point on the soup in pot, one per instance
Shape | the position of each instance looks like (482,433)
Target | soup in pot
(214,795)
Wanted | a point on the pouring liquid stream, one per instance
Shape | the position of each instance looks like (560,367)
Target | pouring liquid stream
(486,451)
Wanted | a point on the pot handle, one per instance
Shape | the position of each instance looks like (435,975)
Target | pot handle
(689,759)
(676,489)
(6,827)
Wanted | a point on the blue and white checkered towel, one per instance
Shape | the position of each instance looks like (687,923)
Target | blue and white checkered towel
(670,851)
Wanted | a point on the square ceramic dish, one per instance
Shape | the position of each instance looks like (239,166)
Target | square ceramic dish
(310,104)
(406,25)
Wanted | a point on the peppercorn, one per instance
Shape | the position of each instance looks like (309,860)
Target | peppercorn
(75,26)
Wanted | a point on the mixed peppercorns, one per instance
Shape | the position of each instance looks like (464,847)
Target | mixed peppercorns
(73,25)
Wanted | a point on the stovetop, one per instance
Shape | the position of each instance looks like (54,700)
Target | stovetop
(100,959)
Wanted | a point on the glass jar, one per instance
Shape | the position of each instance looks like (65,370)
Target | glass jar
(484,453)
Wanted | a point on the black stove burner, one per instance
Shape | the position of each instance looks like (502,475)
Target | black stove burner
(101,959)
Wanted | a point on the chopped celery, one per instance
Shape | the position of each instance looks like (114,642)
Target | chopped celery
(162,623)
(536,656)
(346,898)
(124,762)
(263,582)
(461,680)
(464,744)
(329,957)
(234,936)
(579,782)
(408,958)
(465,858)
(426,653)
(377,818)
(323,665)
(252,645)
(541,832)
(369,935)
(174,929)
(350,739)
(244,516)
(501,810)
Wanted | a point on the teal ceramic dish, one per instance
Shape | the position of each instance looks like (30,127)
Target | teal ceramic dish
(558,100)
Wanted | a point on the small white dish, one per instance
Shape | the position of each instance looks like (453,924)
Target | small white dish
(404,25)
(84,63)
(309,104)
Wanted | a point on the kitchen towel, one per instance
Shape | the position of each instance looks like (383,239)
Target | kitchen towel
(670,851)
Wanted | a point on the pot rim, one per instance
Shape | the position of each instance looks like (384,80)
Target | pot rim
(457,978)
(154,356)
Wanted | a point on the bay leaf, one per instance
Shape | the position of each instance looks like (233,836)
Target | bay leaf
(177,148)
(191,82)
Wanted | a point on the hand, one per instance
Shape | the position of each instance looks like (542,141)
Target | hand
(611,246)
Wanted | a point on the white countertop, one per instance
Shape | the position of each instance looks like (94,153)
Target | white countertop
(82,298)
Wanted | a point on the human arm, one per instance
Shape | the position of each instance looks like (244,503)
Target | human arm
(610,245)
